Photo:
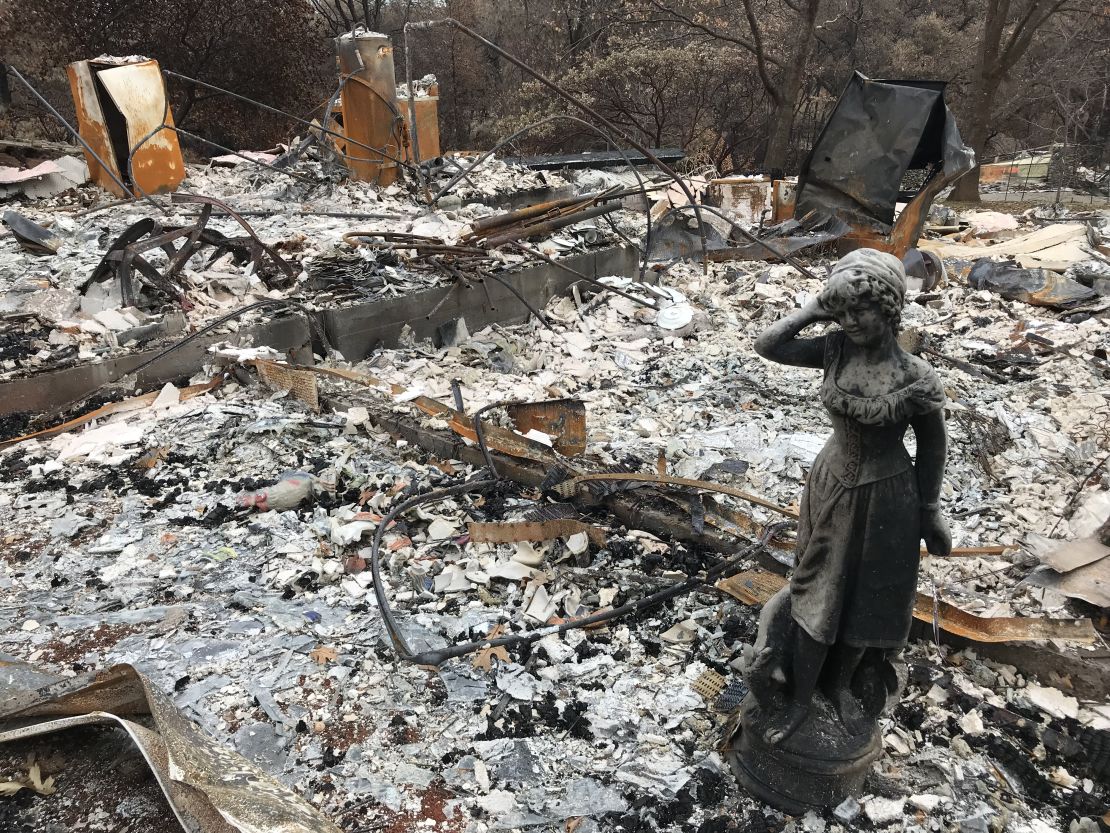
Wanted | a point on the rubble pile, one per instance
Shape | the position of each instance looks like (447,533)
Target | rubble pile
(353,485)
(60,316)
(218,537)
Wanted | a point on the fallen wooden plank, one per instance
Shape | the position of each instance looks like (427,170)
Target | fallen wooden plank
(758,586)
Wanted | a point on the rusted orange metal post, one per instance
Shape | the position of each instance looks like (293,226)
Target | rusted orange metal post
(427,124)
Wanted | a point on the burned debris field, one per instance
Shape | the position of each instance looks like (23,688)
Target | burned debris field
(406,436)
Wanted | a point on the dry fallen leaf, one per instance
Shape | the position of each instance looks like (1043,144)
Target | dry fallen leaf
(34,782)
(37,784)
(322,655)
(484,658)
(573,823)
(444,466)
(153,457)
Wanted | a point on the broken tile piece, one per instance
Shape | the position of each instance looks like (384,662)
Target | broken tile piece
(883,811)
(1052,700)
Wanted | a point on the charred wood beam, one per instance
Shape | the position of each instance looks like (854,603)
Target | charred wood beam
(644,509)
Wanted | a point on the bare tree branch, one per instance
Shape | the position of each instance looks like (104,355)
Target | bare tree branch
(761,59)
(754,47)
(1023,35)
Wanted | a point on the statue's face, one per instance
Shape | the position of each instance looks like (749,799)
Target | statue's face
(863,322)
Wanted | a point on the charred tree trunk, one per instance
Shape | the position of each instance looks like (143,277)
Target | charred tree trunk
(978,132)
(993,63)
(984,86)
(785,95)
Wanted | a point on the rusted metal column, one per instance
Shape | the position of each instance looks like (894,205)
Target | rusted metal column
(370,113)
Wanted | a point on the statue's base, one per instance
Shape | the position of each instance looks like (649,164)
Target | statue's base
(818,766)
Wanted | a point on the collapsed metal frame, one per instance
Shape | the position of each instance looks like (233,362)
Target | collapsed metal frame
(125,255)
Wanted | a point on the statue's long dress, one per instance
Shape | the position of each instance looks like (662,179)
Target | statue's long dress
(859,531)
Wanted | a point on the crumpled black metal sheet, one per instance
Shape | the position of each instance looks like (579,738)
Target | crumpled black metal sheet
(877,131)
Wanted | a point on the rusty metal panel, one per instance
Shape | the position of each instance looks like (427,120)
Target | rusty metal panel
(426,127)
(139,92)
(563,419)
(783,195)
(92,126)
(370,113)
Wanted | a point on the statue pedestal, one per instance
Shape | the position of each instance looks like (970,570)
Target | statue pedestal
(818,766)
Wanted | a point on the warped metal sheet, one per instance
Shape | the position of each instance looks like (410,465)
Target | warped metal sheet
(93,127)
(119,103)
(139,93)
(563,419)
(210,788)
(877,131)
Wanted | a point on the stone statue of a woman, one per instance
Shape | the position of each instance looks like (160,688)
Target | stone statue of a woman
(866,507)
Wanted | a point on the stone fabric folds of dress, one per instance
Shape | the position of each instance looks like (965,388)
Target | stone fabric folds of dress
(856,577)
(843,568)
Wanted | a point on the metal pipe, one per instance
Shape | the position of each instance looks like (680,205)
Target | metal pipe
(585,108)
(546,215)
(548,226)
(527,213)
(414,136)
(375,554)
